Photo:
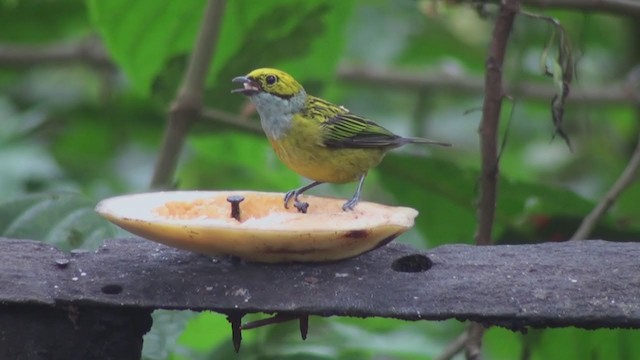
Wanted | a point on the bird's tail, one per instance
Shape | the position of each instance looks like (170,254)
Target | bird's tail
(417,140)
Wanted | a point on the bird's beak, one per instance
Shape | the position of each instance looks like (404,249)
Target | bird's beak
(251,87)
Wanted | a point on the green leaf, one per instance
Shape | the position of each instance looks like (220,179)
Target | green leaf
(562,72)
(568,343)
(41,173)
(459,34)
(557,77)
(235,161)
(144,37)
(627,205)
(544,56)
(86,147)
(446,196)
(37,21)
(205,331)
(161,341)
(218,330)
(305,38)
(92,137)
(443,193)
(342,338)
(65,220)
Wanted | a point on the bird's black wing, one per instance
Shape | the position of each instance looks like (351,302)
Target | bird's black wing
(343,129)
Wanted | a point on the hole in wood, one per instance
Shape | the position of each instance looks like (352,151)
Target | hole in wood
(112,289)
(412,263)
(62,263)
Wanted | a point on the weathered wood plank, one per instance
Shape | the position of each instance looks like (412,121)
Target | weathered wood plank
(589,284)
(31,332)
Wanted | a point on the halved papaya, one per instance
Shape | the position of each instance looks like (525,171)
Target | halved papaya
(264,230)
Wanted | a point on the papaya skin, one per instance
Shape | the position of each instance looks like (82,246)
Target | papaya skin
(201,221)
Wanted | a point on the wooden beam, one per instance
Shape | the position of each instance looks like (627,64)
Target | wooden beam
(33,332)
(588,284)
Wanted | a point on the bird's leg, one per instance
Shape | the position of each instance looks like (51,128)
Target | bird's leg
(301,206)
(349,205)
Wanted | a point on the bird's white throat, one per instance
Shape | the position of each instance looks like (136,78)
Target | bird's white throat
(276,113)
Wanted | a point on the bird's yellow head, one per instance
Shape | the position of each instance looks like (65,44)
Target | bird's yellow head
(269,81)
(276,95)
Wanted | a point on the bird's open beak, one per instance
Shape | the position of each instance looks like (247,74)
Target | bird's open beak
(251,87)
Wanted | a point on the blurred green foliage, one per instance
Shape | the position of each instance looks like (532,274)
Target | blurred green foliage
(74,133)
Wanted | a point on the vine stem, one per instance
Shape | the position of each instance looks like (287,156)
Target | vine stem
(626,178)
(494,94)
(187,105)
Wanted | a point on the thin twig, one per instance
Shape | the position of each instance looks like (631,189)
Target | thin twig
(494,93)
(280,318)
(473,345)
(613,94)
(187,106)
(454,348)
(230,119)
(91,52)
(488,130)
(88,51)
(626,178)
(626,8)
(629,8)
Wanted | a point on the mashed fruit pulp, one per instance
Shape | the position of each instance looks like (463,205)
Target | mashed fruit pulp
(253,206)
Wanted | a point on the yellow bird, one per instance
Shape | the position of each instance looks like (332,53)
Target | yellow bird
(315,138)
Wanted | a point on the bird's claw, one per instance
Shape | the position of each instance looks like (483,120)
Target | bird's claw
(287,197)
(301,206)
(349,205)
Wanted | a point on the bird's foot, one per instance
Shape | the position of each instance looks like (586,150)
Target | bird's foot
(349,205)
(300,205)
(293,194)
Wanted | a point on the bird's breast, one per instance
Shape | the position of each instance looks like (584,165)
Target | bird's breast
(301,149)
(275,126)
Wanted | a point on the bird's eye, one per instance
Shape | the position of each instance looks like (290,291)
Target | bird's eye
(271,79)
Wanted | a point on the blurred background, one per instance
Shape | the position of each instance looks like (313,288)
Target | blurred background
(85,93)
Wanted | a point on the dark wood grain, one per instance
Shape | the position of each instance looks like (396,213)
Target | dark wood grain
(589,284)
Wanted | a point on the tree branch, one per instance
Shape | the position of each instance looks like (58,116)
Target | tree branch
(473,345)
(90,52)
(87,51)
(187,106)
(488,131)
(490,119)
(626,178)
(455,347)
(629,8)
(615,94)
(230,119)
